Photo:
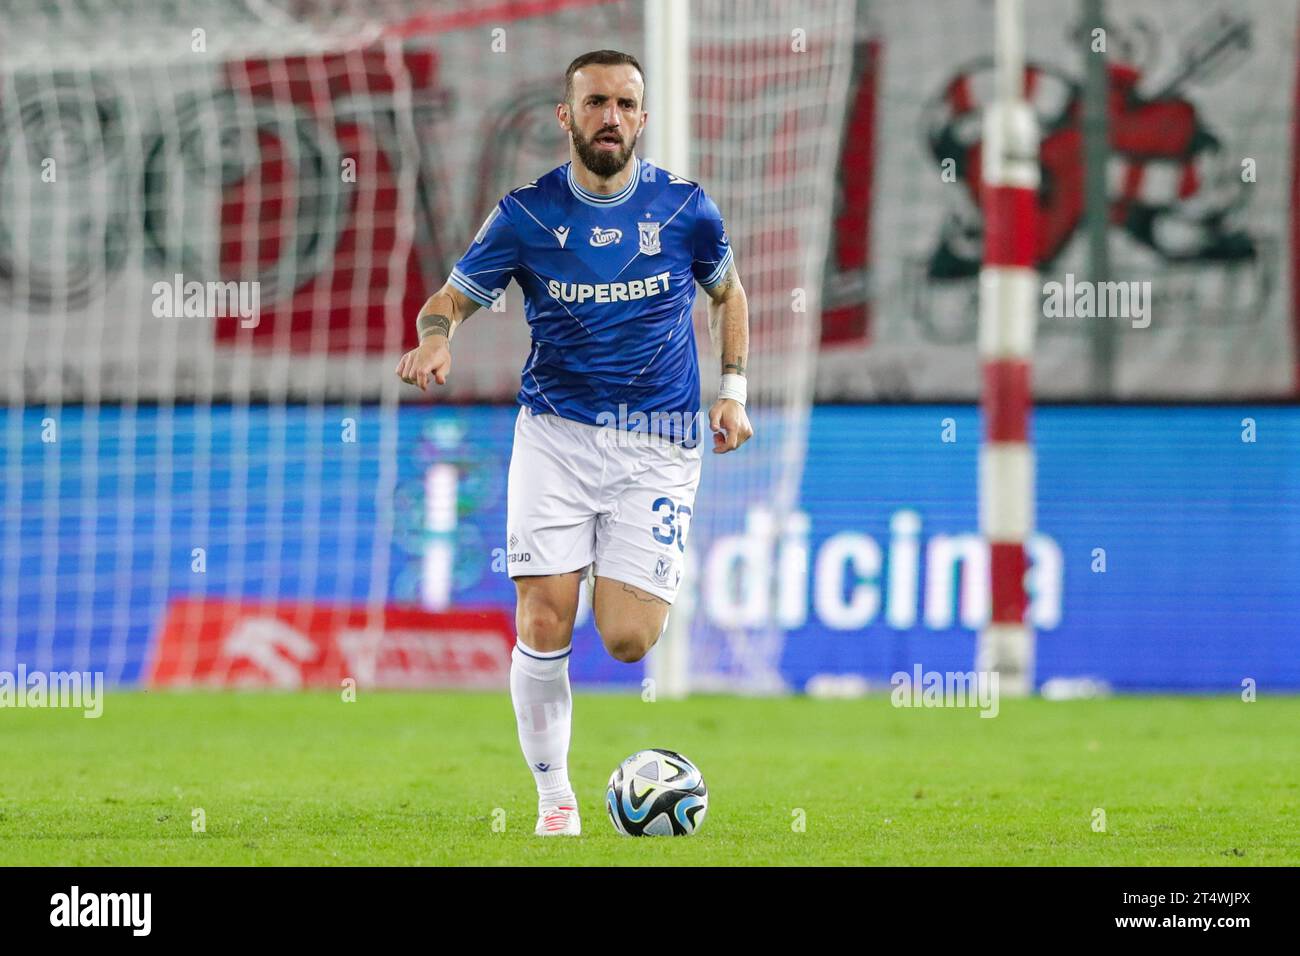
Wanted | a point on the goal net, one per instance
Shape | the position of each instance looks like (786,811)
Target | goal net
(771,92)
(217,221)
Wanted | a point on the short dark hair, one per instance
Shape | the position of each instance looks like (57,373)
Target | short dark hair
(599,58)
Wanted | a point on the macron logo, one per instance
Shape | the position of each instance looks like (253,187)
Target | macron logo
(562,234)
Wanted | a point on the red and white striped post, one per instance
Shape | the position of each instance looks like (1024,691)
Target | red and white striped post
(1008,308)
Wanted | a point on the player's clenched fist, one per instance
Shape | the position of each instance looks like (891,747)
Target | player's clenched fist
(432,359)
(730,425)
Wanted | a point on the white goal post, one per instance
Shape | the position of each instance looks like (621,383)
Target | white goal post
(750,100)
(667,145)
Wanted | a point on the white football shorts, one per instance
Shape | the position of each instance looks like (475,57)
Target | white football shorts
(581,494)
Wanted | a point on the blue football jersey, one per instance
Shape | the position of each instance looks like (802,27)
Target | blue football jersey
(608,285)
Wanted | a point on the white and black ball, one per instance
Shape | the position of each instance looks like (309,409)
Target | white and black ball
(656,793)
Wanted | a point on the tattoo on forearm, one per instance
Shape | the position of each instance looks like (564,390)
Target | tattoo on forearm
(735,366)
(428,325)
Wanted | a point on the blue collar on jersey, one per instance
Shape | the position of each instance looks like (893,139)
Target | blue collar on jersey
(596,199)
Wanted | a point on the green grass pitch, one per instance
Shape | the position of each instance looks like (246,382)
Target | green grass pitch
(421,778)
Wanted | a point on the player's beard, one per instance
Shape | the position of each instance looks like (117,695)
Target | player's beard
(603,163)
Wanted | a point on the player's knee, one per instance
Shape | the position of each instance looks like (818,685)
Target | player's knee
(627,651)
(627,643)
(542,627)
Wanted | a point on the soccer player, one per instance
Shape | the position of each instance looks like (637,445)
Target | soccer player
(606,459)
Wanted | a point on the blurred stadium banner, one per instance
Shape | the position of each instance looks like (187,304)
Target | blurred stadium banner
(343,171)
(216,643)
(1198,95)
(1183,580)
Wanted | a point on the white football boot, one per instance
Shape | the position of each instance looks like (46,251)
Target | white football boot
(558,821)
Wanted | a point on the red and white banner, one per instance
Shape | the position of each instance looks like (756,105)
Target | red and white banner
(232,227)
(227,643)
(340,185)
(1201,180)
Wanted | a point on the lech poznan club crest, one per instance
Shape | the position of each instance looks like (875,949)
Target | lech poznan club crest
(649,234)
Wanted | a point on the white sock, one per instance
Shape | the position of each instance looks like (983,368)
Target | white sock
(539,689)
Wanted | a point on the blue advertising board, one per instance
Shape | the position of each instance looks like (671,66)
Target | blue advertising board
(1167,552)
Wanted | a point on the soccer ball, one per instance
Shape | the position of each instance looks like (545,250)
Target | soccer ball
(656,793)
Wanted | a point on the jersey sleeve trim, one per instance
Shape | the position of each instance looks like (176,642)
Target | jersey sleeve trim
(471,288)
(720,272)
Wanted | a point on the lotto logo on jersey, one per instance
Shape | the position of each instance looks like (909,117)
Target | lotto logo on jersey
(605,237)
(581,292)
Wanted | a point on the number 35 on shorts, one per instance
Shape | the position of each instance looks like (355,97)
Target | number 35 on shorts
(674,521)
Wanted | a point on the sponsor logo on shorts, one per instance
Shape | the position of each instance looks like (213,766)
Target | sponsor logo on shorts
(663,567)
(514,555)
